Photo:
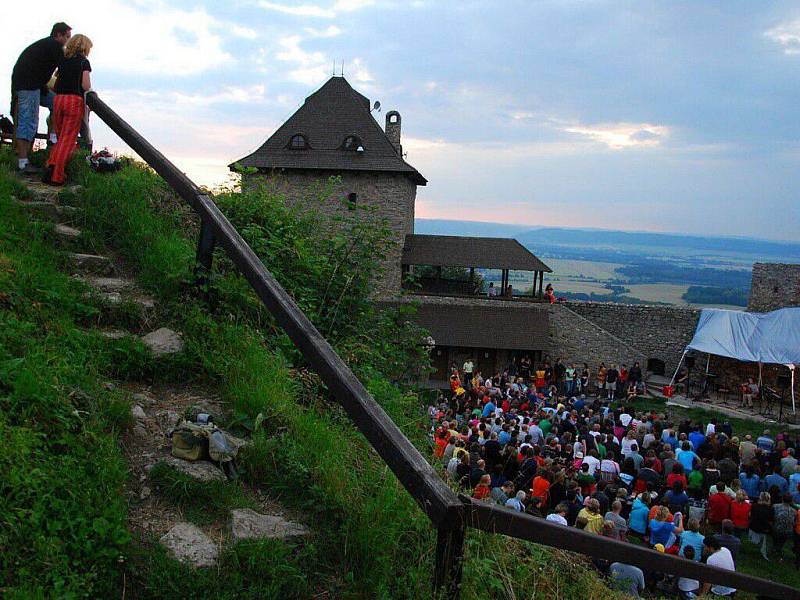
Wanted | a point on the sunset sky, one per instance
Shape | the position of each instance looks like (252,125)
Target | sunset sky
(659,116)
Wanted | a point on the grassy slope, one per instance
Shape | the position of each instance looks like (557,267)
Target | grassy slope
(370,540)
(62,511)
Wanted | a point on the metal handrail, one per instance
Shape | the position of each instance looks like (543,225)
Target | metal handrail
(450,513)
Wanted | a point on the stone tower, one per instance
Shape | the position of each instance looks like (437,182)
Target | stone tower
(334,134)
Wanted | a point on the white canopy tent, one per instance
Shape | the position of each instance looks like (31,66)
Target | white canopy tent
(772,337)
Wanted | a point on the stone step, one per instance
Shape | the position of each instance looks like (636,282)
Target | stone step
(107,284)
(116,299)
(114,334)
(51,210)
(91,263)
(201,470)
(190,545)
(163,341)
(66,232)
(247,524)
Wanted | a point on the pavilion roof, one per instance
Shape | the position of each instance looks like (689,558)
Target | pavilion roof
(479,252)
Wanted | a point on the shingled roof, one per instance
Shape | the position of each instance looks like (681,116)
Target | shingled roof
(488,324)
(480,252)
(327,117)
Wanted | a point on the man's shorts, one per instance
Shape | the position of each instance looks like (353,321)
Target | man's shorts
(611,386)
(27,117)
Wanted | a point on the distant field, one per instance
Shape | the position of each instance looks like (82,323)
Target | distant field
(584,287)
(571,268)
(658,292)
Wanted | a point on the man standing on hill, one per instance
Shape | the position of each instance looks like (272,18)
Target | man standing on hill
(32,71)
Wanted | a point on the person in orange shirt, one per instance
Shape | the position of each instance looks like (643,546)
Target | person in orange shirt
(541,487)
(483,490)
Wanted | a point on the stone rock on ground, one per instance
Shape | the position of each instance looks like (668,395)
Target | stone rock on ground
(200,470)
(163,341)
(248,524)
(67,231)
(190,545)
(138,412)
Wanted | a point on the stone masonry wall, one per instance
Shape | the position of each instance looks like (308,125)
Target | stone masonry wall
(578,340)
(392,195)
(774,286)
(660,332)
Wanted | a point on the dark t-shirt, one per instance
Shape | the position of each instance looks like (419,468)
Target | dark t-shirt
(70,76)
(36,64)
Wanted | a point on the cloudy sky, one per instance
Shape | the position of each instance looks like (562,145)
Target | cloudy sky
(663,116)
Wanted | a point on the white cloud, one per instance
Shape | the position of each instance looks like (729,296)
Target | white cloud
(310,67)
(787,35)
(242,32)
(316,10)
(622,135)
(145,37)
(301,10)
(358,71)
(328,32)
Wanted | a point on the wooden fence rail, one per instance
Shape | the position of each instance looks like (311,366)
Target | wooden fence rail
(449,513)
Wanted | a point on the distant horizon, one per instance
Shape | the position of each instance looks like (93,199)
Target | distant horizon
(529,227)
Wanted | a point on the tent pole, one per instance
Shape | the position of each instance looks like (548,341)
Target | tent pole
(708,362)
(680,362)
(791,373)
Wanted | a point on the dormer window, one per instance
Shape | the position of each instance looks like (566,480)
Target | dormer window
(352,144)
(298,142)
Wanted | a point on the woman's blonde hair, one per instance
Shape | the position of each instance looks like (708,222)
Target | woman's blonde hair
(78,44)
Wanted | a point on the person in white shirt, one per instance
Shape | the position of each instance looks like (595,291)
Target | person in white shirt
(593,462)
(625,418)
(689,588)
(719,557)
(627,442)
(560,514)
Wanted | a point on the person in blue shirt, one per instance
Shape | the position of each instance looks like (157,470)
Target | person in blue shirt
(503,437)
(686,457)
(660,528)
(765,443)
(751,483)
(488,409)
(637,520)
(669,437)
(794,480)
(777,480)
(696,438)
(692,537)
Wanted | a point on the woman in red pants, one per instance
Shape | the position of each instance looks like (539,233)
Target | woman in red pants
(68,108)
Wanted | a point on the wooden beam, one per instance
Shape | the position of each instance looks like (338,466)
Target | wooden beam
(541,284)
(496,519)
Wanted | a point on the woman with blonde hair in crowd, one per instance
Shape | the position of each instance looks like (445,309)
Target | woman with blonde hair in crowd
(72,82)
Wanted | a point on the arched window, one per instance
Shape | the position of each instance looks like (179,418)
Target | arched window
(353,144)
(298,142)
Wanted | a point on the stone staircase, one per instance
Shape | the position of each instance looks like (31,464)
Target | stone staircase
(156,411)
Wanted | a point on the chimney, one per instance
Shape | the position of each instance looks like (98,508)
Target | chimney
(393,130)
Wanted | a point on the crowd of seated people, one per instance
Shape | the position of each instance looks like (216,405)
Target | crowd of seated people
(534,444)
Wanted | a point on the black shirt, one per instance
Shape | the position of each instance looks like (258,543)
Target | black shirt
(36,64)
(70,76)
